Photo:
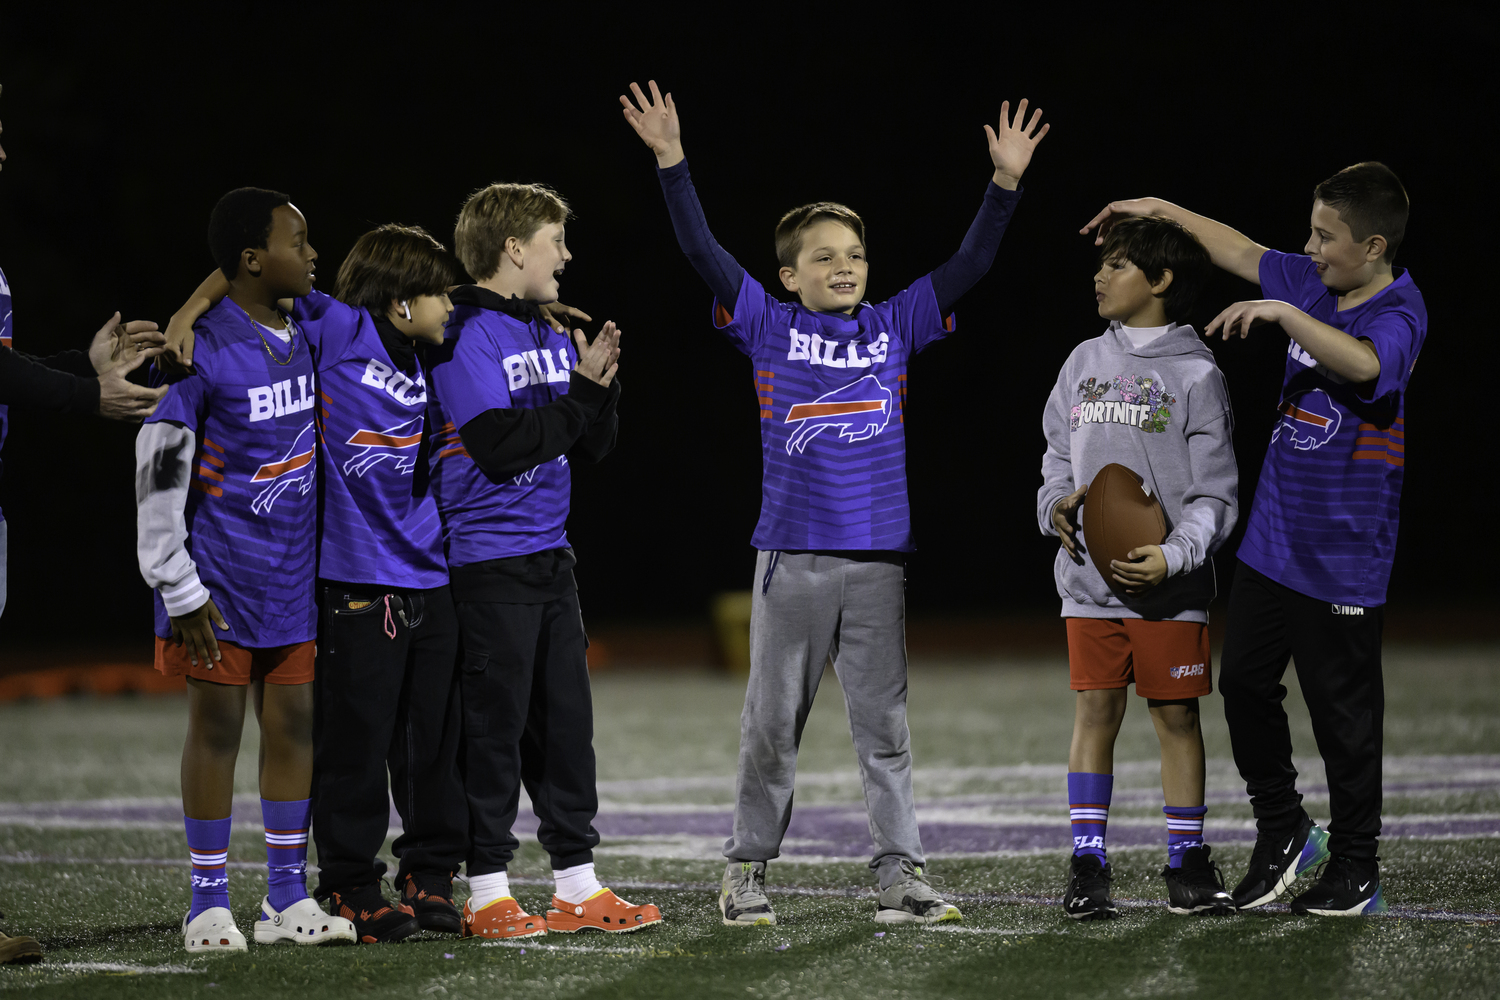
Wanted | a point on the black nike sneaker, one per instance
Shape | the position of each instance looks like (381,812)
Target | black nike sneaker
(1277,861)
(430,897)
(1346,887)
(375,920)
(1087,897)
(1198,886)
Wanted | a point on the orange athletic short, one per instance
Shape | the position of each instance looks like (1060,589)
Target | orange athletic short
(1166,660)
(291,664)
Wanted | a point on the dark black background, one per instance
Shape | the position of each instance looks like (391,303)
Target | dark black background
(122,134)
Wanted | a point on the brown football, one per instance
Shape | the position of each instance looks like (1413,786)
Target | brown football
(1119,515)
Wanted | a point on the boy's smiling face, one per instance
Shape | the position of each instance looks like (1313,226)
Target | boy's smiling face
(287,263)
(831,269)
(543,258)
(1344,263)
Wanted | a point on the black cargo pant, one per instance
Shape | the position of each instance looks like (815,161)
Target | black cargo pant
(386,698)
(1337,649)
(528,719)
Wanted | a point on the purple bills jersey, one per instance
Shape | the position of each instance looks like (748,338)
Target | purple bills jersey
(494,361)
(373,419)
(832,392)
(5,338)
(251,510)
(1326,508)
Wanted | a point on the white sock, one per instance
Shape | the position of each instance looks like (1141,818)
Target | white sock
(576,884)
(485,889)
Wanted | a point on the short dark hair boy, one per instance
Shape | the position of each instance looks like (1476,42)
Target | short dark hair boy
(1148,396)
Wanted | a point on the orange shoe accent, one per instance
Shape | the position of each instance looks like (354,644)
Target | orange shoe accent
(603,911)
(503,918)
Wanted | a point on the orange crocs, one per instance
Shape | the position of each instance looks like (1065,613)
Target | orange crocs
(603,911)
(503,918)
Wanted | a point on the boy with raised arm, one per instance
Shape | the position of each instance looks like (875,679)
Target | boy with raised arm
(1145,395)
(226,520)
(1318,545)
(834,530)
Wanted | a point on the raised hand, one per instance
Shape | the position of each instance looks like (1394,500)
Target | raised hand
(1114,212)
(117,342)
(655,121)
(1011,147)
(599,361)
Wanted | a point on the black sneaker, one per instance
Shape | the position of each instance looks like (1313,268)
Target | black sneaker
(1198,886)
(375,920)
(1277,861)
(429,896)
(1087,897)
(1346,887)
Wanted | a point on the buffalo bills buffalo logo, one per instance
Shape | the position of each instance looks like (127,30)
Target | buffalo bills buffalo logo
(859,411)
(399,444)
(1308,420)
(295,468)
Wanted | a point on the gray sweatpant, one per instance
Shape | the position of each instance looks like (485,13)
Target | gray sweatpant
(818,607)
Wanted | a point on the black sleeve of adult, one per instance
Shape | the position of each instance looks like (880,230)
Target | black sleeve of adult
(505,442)
(72,362)
(26,382)
(599,439)
(963,270)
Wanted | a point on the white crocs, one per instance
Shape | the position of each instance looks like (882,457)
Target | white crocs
(304,922)
(212,930)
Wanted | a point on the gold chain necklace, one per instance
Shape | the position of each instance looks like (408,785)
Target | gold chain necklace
(291,328)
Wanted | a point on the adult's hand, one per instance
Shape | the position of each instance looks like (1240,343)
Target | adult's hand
(117,343)
(121,399)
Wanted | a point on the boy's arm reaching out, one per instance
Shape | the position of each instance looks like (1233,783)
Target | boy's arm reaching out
(1351,358)
(657,124)
(1010,150)
(1230,249)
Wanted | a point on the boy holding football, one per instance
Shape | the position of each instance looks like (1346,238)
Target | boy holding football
(1317,552)
(1145,395)
(830,376)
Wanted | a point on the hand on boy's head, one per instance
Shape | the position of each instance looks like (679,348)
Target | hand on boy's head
(598,361)
(1065,520)
(1147,567)
(655,121)
(1012,145)
(1240,317)
(195,629)
(117,342)
(1114,212)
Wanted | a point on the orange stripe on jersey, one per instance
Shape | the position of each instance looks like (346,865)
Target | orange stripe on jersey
(208,473)
(802,411)
(387,440)
(722,316)
(213,460)
(275,470)
(1378,456)
(1298,413)
(761,374)
(460,450)
(202,487)
(948,323)
(213,446)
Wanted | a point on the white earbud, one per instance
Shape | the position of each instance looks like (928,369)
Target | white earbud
(408,311)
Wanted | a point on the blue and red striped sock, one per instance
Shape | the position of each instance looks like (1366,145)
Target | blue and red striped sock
(286,849)
(1088,807)
(208,846)
(1184,831)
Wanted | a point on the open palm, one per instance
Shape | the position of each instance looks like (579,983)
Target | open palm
(654,120)
(1011,147)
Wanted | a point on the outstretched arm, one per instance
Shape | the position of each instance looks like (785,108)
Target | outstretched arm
(1352,358)
(1010,151)
(1230,249)
(656,122)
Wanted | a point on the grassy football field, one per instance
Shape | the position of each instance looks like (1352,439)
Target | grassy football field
(92,860)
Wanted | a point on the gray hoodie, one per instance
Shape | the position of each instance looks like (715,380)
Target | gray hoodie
(1162,411)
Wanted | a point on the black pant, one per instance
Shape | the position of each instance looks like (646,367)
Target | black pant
(1337,649)
(386,695)
(528,719)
